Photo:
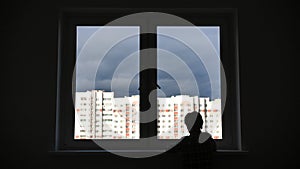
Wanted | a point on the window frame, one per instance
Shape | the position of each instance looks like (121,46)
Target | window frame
(71,17)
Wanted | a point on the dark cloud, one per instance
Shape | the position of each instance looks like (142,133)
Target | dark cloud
(121,50)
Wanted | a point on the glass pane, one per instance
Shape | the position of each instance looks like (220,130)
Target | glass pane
(189,77)
(106,92)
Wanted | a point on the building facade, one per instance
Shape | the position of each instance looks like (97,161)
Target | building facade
(98,115)
(172,111)
(213,118)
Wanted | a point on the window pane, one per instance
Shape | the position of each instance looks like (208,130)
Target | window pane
(189,77)
(107,96)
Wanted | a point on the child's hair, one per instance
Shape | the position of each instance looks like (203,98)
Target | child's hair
(193,121)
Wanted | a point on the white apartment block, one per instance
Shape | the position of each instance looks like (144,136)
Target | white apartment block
(83,115)
(133,118)
(98,115)
(172,111)
(126,118)
(185,105)
(119,121)
(107,115)
(171,114)
(166,120)
(213,120)
(98,99)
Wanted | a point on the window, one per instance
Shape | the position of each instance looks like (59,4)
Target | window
(143,82)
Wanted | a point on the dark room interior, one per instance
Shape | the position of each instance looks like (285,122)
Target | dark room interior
(267,34)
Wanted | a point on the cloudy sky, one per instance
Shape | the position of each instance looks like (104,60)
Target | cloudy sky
(188,60)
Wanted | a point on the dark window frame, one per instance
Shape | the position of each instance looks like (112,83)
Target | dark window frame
(72,17)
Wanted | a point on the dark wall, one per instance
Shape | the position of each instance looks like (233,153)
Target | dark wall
(267,36)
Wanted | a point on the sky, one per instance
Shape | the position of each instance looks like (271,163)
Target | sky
(188,60)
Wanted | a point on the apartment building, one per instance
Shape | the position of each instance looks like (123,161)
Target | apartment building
(83,115)
(98,115)
(167,122)
(172,111)
(213,119)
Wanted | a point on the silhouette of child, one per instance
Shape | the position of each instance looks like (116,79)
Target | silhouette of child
(197,148)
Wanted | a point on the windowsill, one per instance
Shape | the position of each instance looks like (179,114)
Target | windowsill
(98,152)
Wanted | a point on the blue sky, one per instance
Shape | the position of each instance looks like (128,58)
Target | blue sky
(119,60)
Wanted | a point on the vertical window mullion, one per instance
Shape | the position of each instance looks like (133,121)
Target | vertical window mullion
(148,83)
